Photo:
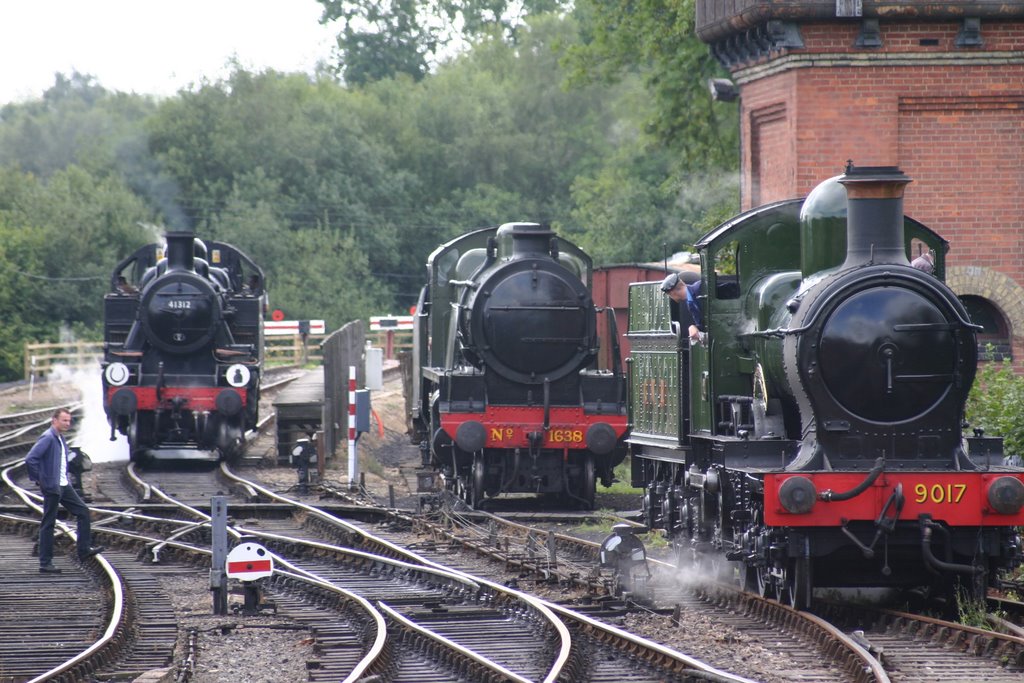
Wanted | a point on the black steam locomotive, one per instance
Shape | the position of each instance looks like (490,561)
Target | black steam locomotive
(813,437)
(506,393)
(183,349)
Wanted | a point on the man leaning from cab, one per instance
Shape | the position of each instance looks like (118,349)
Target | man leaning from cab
(680,292)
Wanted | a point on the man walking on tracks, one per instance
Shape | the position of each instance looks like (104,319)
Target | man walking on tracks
(47,465)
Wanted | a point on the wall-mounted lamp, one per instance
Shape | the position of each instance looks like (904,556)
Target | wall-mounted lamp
(723,90)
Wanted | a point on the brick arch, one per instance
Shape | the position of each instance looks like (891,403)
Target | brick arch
(1002,290)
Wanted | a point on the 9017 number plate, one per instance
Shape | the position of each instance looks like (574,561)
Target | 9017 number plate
(939,493)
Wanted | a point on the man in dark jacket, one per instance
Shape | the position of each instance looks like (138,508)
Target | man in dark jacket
(680,292)
(47,465)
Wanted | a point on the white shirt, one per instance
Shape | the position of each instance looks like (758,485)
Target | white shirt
(63,461)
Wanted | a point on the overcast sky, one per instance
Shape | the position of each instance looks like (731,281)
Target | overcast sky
(153,46)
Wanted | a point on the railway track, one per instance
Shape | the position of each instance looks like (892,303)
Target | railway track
(511,636)
(805,639)
(18,431)
(918,649)
(342,582)
(634,652)
(48,620)
(801,642)
(87,618)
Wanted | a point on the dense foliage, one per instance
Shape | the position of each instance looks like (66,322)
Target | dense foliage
(341,189)
(994,404)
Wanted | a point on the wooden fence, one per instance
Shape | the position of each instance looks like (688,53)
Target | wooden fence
(290,350)
(392,341)
(42,358)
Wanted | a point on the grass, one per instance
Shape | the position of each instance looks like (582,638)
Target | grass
(621,478)
(972,613)
(605,520)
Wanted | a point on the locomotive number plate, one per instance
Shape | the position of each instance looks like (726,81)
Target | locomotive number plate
(555,436)
(565,436)
(179,303)
(939,493)
(501,434)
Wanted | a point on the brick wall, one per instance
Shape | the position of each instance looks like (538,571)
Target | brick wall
(952,118)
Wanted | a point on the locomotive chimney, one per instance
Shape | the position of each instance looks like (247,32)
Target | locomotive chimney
(528,239)
(874,215)
(180,251)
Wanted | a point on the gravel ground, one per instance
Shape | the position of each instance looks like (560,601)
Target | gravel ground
(233,648)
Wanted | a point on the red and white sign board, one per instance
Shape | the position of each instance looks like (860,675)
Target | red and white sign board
(281,327)
(249,561)
(390,322)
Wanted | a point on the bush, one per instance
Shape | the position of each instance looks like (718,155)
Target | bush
(994,404)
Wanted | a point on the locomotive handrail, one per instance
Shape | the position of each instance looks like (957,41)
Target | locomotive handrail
(781,332)
(828,495)
(613,332)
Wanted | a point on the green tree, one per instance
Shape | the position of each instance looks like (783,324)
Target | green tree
(656,39)
(312,271)
(59,239)
(333,283)
(677,177)
(496,128)
(305,141)
(76,122)
(380,40)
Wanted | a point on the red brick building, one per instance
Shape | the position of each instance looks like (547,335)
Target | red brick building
(935,87)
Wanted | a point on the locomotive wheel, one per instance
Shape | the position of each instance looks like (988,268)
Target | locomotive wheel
(798,583)
(477,478)
(588,482)
(765,585)
(752,581)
